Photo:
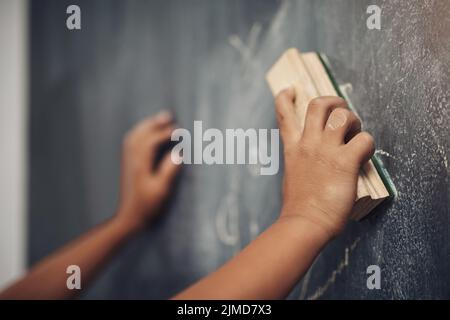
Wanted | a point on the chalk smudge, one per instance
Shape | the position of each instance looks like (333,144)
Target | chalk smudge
(385,153)
(305,282)
(343,264)
(253,53)
(227,217)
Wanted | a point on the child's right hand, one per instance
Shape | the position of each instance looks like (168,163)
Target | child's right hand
(321,172)
(322,162)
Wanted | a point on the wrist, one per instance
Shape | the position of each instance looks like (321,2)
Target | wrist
(303,223)
(126,223)
(307,237)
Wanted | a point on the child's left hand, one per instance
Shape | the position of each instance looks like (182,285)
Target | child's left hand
(144,188)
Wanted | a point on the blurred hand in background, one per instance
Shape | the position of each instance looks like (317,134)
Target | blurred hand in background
(145,185)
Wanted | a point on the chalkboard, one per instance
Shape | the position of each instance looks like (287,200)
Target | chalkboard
(206,60)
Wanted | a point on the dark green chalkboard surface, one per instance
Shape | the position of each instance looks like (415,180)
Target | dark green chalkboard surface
(206,60)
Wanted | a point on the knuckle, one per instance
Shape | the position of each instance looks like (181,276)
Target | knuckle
(280,116)
(150,121)
(316,106)
(367,139)
(280,101)
(357,122)
(284,93)
(340,101)
(352,116)
(280,113)
(316,103)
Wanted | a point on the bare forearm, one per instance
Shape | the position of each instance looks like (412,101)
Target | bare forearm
(268,268)
(47,280)
(144,187)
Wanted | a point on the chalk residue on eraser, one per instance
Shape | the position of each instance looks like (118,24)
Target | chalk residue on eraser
(385,176)
(345,89)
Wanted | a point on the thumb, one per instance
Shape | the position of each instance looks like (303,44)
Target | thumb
(361,148)
(168,168)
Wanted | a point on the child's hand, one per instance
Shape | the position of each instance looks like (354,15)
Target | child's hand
(144,187)
(322,163)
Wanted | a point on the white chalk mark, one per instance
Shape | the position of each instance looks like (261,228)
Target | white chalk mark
(441,150)
(347,88)
(445,160)
(227,217)
(247,49)
(305,282)
(442,153)
(225,222)
(279,18)
(254,229)
(240,47)
(344,263)
(253,37)
(385,153)
(251,67)
(254,169)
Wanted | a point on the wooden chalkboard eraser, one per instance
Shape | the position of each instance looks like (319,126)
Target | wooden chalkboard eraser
(309,74)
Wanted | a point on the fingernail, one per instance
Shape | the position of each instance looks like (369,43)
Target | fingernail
(290,89)
(176,159)
(164,116)
(337,119)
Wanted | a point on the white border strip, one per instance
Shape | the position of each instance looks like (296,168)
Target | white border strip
(13,137)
